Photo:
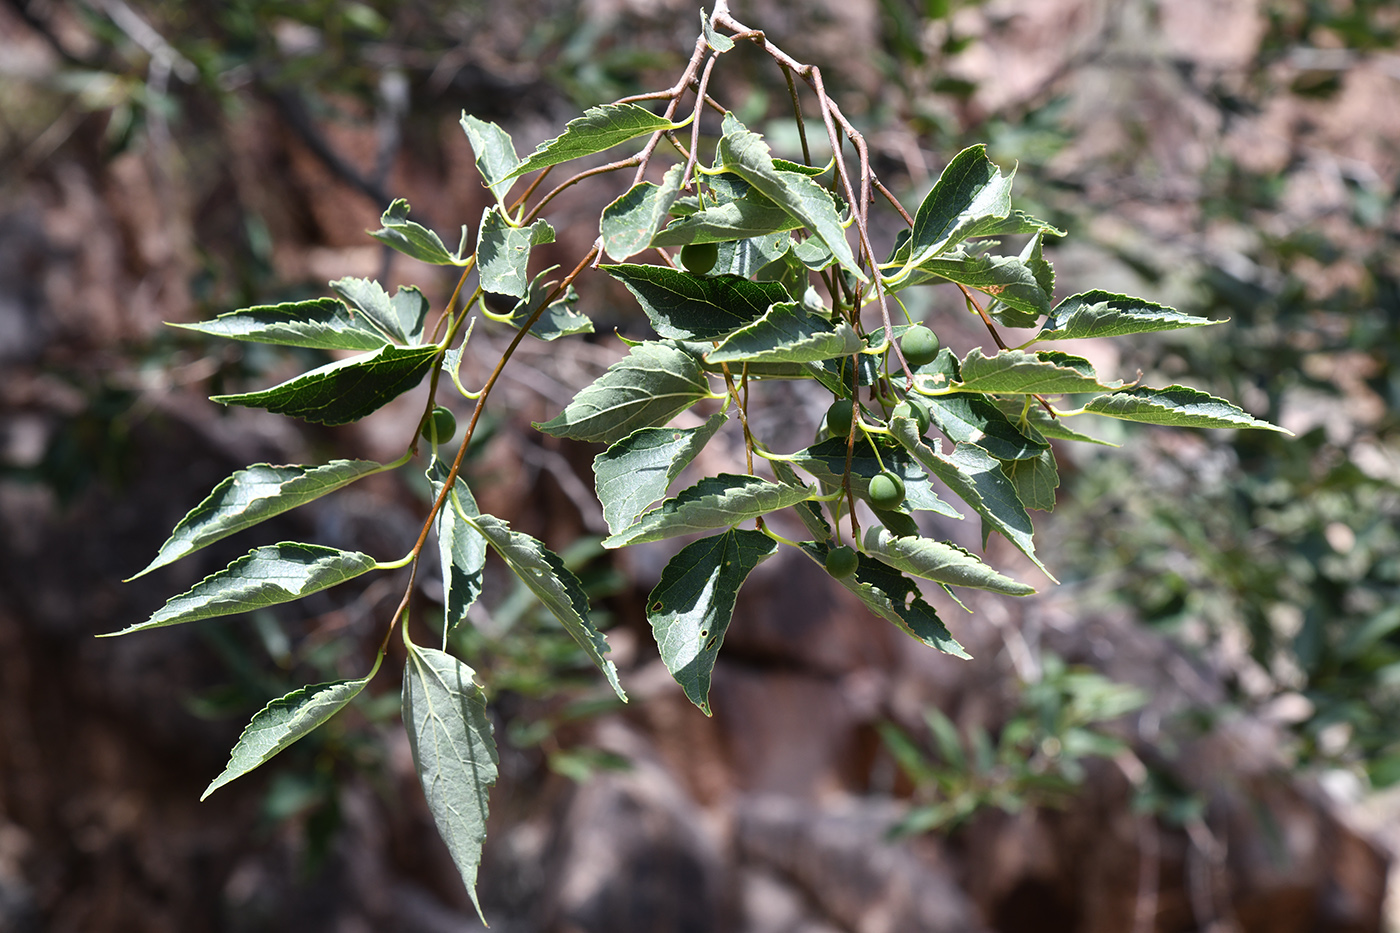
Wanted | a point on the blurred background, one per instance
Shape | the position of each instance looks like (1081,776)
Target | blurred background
(1196,731)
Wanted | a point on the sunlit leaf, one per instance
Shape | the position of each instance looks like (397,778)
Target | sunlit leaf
(320,324)
(637,470)
(786,333)
(751,216)
(938,561)
(972,418)
(503,252)
(461,548)
(557,320)
(695,307)
(599,129)
(414,239)
(720,501)
(1035,478)
(400,317)
(493,152)
(629,223)
(1177,406)
(970,197)
(1104,314)
(1018,372)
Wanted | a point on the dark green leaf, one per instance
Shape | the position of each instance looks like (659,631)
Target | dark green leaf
(720,501)
(637,470)
(1178,406)
(321,324)
(691,607)
(503,252)
(344,391)
(1104,314)
(413,239)
(694,307)
(972,418)
(630,222)
(461,548)
(599,128)
(786,333)
(970,196)
(937,561)
(400,317)
(493,152)
(827,462)
(751,216)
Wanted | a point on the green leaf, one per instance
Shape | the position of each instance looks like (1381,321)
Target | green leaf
(808,512)
(1035,478)
(449,733)
(413,239)
(1017,372)
(976,477)
(645,389)
(1008,279)
(750,216)
(558,320)
(970,197)
(503,252)
(894,597)
(715,40)
(344,391)
(286,719)
(321,324)
(599,129)
(254,495)
(1178,406)
(972,418)
(553,584)
(694,307)
(401,317)
(746,154)
(1104,314)
(1039,423)
(786,333)
(461,548)
(720,501)
(827,462)
(637,470)
(692,605)
(938,561)
(493,152)
(265,576)
(1016,223)
(629,223)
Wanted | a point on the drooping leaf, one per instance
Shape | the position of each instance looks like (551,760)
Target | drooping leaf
(894,597)
(599,129)
(400,317)
(972,418)
(746,154)
(414,239)
(493,152)
(827,462)
(938,561)
(320,324)
(637,470)
(1178,406)
(750,216)
(265,576)
(629,223)
(720,501)
(1027,313)
(786,333)
(346,390)
(454,752)
(254,495)
(461,548)
(1035,478)
(503,252)
(553,584)
(808,512)
(557,320)
(691,607)
(286,719)
(969,197)
(645,389)
(1105,314)
(975,476)
(715,40)
(684,306)
(1006,278)
(1038,423)
(1018,372)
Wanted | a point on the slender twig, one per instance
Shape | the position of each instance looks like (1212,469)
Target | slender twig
(695,121)
(893,200)
(587,173)
(797,114)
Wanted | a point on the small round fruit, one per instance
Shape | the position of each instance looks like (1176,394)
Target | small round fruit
(443,421)
(914,408)
(919,345)
(838,418)
(899,524)
(886,490)
(699,258)
(842,561)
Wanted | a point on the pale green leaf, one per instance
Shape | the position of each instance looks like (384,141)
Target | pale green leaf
(691,607)
(346,390)
(786,333)
(684,306)
(972,418)
(938,561)
(557,320)
(629,223)
(1039,423)
(1104,314)
(1019,372)
(254,495)
(414,239)
(751,216)
(647,388)
(720,501)
(400,317)
(286,719)
(1035,478)
(746,154)
(1177,406)
(320,324)
(599,129)
(637,470)
(715,40)
(553,584)
(454,752)
(1008,279)
(493,152)
(265,576)
(827,462)
(461,548)
(503,252)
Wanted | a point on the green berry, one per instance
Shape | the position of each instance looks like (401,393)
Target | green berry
(899,524)
(919,345)
(699,258)
(913,407)
(886,490)
(842,561)
(443,421)
(838,418)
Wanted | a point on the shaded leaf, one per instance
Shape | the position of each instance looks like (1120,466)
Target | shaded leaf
(786,333)
(320,324)
(629,223)
(972,418)
(1035,478)
(1178,406)
(461,548)
(1105,314)
(599,129)
(265,576)
(254,495)
(493,152)
(637,470)
(720,501)
(454,752)
(503,252)
(691,606)
(684,306)
(400,317)
(938,561)
(346,390)
(827,462)
(750,216)
(414,239)
(558,320)
(1039,423)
